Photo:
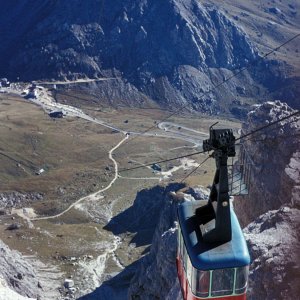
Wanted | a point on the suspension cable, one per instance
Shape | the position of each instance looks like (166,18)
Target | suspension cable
(201,152)
(251,63)
(162,161)
(194,170)
(268,125)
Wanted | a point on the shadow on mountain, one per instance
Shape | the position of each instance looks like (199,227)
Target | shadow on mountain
(142,217)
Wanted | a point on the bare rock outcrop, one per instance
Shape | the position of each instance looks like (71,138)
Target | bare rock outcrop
(275,152)
(27,277)
(6,293)
(273,203)
(273,240)
(18,274)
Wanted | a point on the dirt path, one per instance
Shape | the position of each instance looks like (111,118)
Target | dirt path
(76,81)
(96,194)
(140,178)
(46,101)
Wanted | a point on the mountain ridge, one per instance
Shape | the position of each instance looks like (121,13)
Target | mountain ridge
(172,51)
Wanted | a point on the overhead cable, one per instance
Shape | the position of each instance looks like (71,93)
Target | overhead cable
(194,170)
(268,125)
(251,63)
(201,152)
(255,131)
(162,161)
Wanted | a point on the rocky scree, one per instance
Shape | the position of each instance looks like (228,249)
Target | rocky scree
(14,199)
(18,274)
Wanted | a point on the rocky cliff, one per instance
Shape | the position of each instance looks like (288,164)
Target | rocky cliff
(273,240)
(271,212)
(273,203)
(17,277)
(171,50)
(275,177)
(26,277)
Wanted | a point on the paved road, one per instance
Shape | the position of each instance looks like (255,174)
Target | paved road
(183,132)
(170,130)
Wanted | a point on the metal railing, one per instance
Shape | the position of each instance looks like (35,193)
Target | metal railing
(239,172)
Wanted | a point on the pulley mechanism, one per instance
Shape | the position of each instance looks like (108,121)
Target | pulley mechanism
(214,217)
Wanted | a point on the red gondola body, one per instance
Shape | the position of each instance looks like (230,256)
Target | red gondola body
(217,271)
(186,291)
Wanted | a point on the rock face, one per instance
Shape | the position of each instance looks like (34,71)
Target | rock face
(18,274)
(273,240)
(273,237)
(156,277)
(272,206)
(127,36)
(275,177)
(27,277)
(8,294)
(17,200)
(171,50)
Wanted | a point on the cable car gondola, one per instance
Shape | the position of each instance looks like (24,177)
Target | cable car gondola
(212,256)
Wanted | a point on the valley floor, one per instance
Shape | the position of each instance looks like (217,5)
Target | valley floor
(63,211)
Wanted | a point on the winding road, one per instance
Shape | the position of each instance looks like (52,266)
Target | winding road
(171,130)
(46,101)
(94,195)
(95,268)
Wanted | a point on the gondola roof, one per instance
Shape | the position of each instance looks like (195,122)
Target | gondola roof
(210,256)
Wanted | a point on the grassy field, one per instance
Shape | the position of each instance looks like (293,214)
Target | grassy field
(74,155)
(72,152)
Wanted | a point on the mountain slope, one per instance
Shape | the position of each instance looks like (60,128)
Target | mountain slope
(133,36)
